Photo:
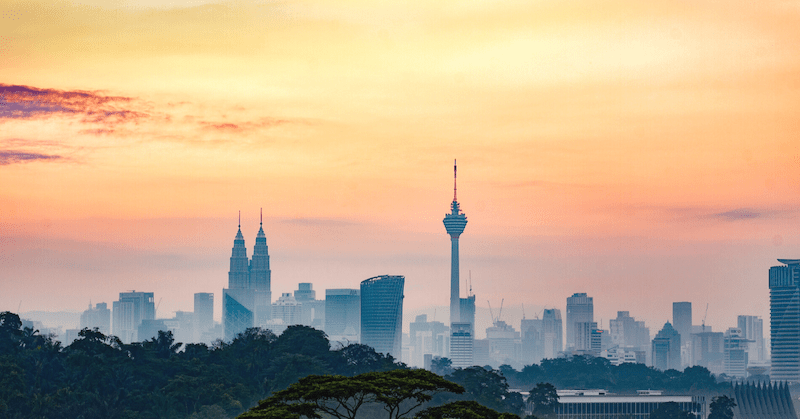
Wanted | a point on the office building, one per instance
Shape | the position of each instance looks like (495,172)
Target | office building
(286,310)
(629,333)
(580,309)
(247,300)
(752,328)
(462,345)
(148,329)
(129,311)
(98,317)
(382,313)
(734,353)
(502,344)
(667,349)
(343,314)
(784,301)
(682,319)
(203,316)
(427,339)
(707,350)
(600,404)
(305,292)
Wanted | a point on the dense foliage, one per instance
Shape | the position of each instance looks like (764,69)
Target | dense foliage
(98,376)
(586,372)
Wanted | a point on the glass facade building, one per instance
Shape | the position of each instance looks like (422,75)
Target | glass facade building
(784,307)
(382,313)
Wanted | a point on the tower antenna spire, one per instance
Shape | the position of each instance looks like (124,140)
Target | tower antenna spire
(455,179)
(261,222)
(240,218)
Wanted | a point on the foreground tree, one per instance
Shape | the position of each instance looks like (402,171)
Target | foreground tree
(544,398)
(398,391)
(465,409)
(722,408)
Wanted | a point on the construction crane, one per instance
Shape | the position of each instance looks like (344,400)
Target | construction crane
(501,309)
(523,311)
(491,313)
(704,318)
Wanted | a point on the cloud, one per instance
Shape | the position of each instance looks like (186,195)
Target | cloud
(738,214)
(25,102)
(15,156)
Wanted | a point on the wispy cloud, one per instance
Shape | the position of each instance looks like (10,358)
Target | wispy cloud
(25,102)
(15,156)
(738,214)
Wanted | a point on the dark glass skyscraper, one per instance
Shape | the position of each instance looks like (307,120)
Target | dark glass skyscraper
(784,302)
(382,313)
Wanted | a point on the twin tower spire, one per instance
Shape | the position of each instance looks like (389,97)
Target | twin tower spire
(245,273)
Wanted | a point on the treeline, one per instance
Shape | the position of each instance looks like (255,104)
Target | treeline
(586,372)
(98,376)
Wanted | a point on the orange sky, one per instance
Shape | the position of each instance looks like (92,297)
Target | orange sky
(643,152)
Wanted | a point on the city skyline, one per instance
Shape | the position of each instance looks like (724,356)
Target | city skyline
(628,151)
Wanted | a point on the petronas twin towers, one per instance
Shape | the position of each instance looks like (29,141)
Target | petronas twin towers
(246,301)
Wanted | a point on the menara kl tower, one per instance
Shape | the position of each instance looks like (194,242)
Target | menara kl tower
(461,310)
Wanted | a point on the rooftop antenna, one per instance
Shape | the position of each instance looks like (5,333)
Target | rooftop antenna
(523,311)
(240,218)
(261,222)
(470,283)
(455,178)
(704,319)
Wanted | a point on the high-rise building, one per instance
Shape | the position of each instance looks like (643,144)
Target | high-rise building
(734,355)
(305,292)
(707,349)
(203,315)
(343,314)
(427,339)
(667,349)
(462,345)
(129,311)
(454,223)
(541,338)
(682,320)
(382,313)
(784,302)
(286,310)
(99,317)
(753,330)
(627,332)
(247,300)
(580,309)
(261,277)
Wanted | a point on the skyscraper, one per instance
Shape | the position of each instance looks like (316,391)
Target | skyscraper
(129,311)
(343,313)
(580,309)
(753,330)
(784,301)
(667,349)
(203,315)
(454,223)
(382,313)
(735,353)
(99,317)
(682,320)
(247,300)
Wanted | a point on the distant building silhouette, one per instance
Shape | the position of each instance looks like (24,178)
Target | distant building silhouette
(502,343)
(343,314)
(784,301)
(629,333)
(462,345)
(667,348)
(129,312)
(99,317)
(454,223)
(247,300)
(203,316)
(427,339)
(753,330)
(286,310)
(312,311)
(682,322)
(382,313)
(734,353)
(707,350)
(580,309)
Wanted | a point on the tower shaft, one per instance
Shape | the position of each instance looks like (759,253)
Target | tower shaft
(455,295)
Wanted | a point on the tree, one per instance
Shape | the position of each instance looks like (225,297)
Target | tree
(464,409)
(670,410)
(442,366)
(544,398)
(722,407)
(398,391)
(485,386)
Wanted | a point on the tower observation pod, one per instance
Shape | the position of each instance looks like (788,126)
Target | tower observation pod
(454,223)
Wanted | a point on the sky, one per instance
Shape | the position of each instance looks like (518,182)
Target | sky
(641,152)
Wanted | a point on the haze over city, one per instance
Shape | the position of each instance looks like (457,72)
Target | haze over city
(643,153)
